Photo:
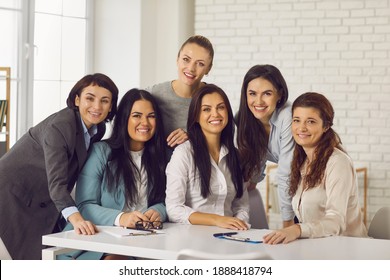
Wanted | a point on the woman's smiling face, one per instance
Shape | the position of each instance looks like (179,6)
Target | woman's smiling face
(141,124)
(94,104)
(213,116)
(262,99)
(307,127)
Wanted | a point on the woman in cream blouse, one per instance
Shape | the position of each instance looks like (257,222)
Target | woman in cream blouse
(323,181)
(204,180)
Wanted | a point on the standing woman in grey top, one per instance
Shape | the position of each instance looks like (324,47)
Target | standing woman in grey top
(264,131)
(194,60)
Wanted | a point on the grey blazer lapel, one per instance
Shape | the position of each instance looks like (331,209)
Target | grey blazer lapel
(81,151)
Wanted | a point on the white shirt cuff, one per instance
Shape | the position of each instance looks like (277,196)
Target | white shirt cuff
(117,223)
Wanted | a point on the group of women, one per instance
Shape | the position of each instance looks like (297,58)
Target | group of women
(172,156)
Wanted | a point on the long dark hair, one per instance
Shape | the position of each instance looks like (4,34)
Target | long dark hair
(97,79)
(329,140)
(121,168)
(252,139)
(199,144)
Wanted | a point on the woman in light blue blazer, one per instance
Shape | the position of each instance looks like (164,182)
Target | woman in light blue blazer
(123,180)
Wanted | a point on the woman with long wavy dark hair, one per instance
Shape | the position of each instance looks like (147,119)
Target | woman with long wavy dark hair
(204,179)
(323,180)
(123,181)
(264,131)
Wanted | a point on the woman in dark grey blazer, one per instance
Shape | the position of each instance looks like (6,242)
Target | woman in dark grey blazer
(38,174)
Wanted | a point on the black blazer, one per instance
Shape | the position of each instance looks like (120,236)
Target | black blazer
(36,178)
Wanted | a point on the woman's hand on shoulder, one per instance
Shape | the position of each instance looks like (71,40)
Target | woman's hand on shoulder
(177,137)
(82,226)
(231,223)
(285,235)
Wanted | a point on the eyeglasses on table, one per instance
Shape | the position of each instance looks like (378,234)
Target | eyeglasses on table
(148,225)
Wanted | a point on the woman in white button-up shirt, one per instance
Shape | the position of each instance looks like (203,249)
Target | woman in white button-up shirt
(204,180)
(323,179)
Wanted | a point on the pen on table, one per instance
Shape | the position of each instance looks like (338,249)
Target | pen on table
(228,235)
(142,229)
(242,239)
(236,238)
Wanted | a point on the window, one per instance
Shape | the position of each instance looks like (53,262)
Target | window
(60,43)
(11,31)
(45,42)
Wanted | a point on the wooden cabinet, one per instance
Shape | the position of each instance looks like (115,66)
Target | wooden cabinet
(5,94)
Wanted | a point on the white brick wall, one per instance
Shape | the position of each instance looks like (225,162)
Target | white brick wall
(335,47)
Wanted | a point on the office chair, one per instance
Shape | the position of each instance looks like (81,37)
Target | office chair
(190,254)
(380,224)
(257,216)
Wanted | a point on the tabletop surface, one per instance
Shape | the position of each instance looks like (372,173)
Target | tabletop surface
(178,236)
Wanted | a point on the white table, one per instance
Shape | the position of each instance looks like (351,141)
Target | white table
(178,237)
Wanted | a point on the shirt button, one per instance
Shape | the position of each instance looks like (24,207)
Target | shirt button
(42,204)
